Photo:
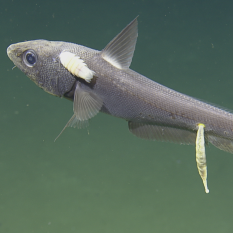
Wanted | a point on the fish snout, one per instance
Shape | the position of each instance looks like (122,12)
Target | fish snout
(9,51)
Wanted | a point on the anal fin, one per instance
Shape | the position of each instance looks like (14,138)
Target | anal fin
(162,133)
(221,143)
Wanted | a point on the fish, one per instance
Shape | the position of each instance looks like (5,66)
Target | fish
(101,81)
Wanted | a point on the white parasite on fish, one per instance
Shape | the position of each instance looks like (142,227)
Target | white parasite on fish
(76,66)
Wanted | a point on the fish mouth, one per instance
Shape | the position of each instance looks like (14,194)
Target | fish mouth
(14,52)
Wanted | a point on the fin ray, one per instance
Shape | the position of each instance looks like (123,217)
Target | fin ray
(162,133)
(221,143)
(86,104)
(119,52)
(75,123)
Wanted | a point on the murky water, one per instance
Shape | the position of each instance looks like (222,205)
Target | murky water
(103,179)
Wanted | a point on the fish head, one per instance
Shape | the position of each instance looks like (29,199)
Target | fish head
(39,60)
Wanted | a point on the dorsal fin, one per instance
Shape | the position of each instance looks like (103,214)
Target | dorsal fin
(119,52)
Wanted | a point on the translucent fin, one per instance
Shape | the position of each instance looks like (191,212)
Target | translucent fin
(119,52)
(221,143)
(86,104)
(162,133)
(201,156)
(75,123)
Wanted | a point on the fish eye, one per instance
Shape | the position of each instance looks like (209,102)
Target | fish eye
(30,58)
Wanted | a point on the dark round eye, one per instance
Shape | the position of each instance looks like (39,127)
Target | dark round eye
(30,58)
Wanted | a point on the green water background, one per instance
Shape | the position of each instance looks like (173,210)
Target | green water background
(105,180)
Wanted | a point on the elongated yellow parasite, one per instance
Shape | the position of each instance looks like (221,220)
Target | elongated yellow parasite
(76,66)
(201,156)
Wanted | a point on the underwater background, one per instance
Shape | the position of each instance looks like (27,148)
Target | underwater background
(103,179)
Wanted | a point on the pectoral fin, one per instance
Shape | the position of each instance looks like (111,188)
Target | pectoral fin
(86,105)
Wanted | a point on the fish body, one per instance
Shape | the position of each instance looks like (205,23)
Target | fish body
(152,110)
